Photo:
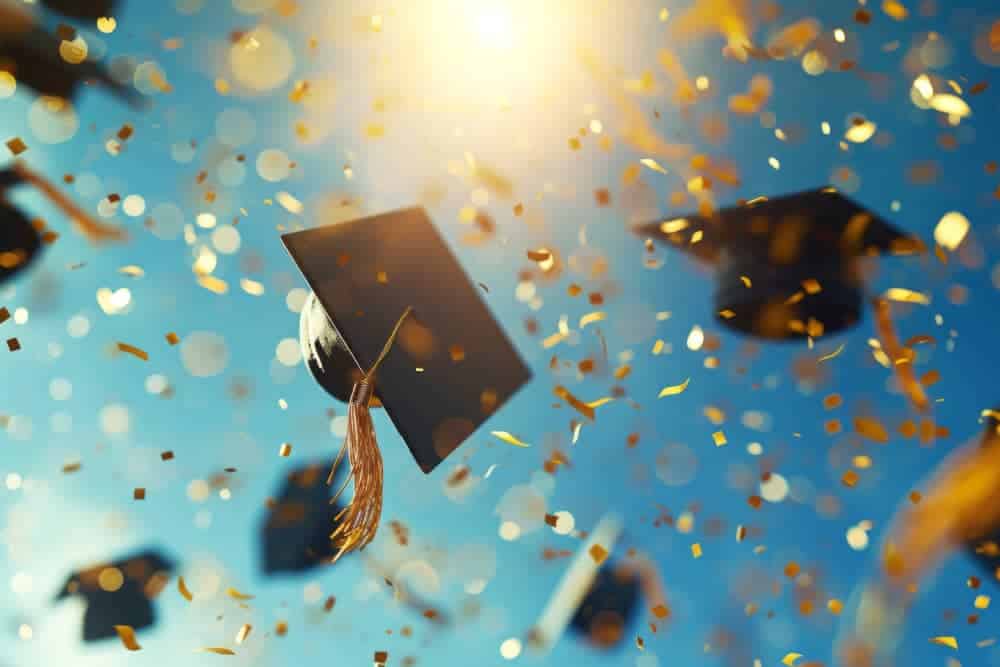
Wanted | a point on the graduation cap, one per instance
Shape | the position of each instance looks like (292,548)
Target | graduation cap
(986,551)
(609,606)
(786,267)
(20,237)
(19,240)
(32,55)
(82,9)
(390,295)
(588,597)
(119,593)
(295,534)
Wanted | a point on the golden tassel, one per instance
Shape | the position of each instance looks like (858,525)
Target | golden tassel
(357,523)
(94,231)
(901,357)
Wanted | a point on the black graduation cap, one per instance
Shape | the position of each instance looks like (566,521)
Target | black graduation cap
(82,9)
(32,55)
(451,366)
(986,551)
(295,534)
(609,606)
(19,240)
(119,593)
(786,266)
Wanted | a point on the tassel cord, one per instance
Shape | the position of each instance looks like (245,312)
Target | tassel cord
(358,522)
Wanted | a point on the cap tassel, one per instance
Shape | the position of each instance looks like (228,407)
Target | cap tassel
(92,229)
(901,357)
(357,523)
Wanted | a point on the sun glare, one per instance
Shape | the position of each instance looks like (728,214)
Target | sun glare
(495,26)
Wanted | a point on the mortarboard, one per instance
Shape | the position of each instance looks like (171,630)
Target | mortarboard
(575,589)
(986,551)
(20,237)
(82,9)
(295,535)
(392,297)
(365,274)
(786,266)
(609,606)
(19,241)
(32,55)
(119,593)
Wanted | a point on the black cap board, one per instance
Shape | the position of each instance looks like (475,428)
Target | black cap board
(609,607)
(786,266)
(986,551)
(295,534)
(19,240)
(451,366)
(82,9)
(119,593)
(32,56)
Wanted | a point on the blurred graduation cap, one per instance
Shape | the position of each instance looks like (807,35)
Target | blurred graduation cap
(588,598)
(986,551)
(32,56)
(451,367)
(82,9)
(609,606)
(20,237)
(119,593)
(787,266)
(295,535)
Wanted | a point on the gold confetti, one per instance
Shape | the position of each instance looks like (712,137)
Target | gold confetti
(285,449)
(127,634)
(590,318)
(599,402)
(953,105)
(951,230)
(172,338)
(673,390)
(134,351)
(219,650)
(107,24)
(213,284)
(510,439)
(183,589)
(746,281)
(860,131)
(139,493)
(696,550)
(650,163)
(289,203)
(16,146)
(832,355)
(132,270)
(982,602)
(581,407)
(904,295)
(252,287)
(790,658)
(945,640)
(236,595)
(871,429)
(598,553)
(243,633)
(719,438)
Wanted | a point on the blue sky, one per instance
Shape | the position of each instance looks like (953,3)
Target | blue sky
(396,110)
